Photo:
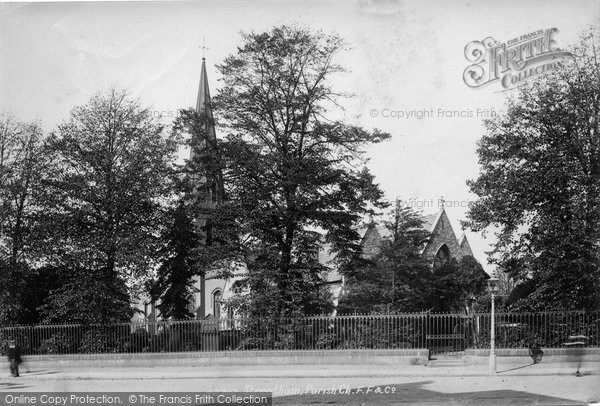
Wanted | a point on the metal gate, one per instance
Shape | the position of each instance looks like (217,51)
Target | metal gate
(447,333)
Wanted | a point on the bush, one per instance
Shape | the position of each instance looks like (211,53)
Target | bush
(102,342)
(59,343)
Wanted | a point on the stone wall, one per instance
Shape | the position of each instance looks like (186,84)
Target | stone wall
(418,356)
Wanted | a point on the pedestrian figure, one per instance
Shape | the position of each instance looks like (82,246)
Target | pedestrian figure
(535,352)
(14,357)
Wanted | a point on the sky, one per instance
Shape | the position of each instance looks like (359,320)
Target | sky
(404,68)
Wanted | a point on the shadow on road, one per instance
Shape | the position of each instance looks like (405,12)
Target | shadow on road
(514,369)
(41,372)
(415,393)
(13,385)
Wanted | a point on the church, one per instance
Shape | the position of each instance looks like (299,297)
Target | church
(441,246)
(210,291)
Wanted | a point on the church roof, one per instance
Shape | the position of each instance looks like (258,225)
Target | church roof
(430,220)
(429,223)
(463,243)
(372,234)
(381,229)
(375,231)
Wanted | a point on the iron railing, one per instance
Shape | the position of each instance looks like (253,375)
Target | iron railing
(543,329)
(391,331)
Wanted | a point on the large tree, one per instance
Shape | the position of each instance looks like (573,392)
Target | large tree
(395,277)
(294,175)
(106,198)
(456,284)
(174,282)
(23,162)
(540,185)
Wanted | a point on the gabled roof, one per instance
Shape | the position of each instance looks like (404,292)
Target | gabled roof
(463,243)
(430,220)
(380,231)
(429,223)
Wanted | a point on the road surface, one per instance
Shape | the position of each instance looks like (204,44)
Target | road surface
(336,384)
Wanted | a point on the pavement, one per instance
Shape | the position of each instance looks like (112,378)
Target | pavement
(513,384)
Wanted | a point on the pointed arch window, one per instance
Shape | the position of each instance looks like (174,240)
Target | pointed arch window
(217,297)
(441,257)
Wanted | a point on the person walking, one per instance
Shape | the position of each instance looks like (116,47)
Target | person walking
(14,357)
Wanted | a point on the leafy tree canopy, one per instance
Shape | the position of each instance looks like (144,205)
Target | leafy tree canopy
(294,177)
(540,185)
(105,199)
(23,164)
(392,276)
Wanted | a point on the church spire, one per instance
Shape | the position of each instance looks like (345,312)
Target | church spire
(203,103)
(210,185)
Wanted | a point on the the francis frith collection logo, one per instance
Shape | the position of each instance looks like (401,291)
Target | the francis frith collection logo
(512,62)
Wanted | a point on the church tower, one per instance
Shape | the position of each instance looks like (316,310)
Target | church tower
(209,185)
(208,182)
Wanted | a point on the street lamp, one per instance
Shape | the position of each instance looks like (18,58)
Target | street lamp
(493,288)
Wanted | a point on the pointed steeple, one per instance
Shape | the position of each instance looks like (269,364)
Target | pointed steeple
(212,182)
(203,103)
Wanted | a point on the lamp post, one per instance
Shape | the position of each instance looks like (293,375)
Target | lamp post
(493,288)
